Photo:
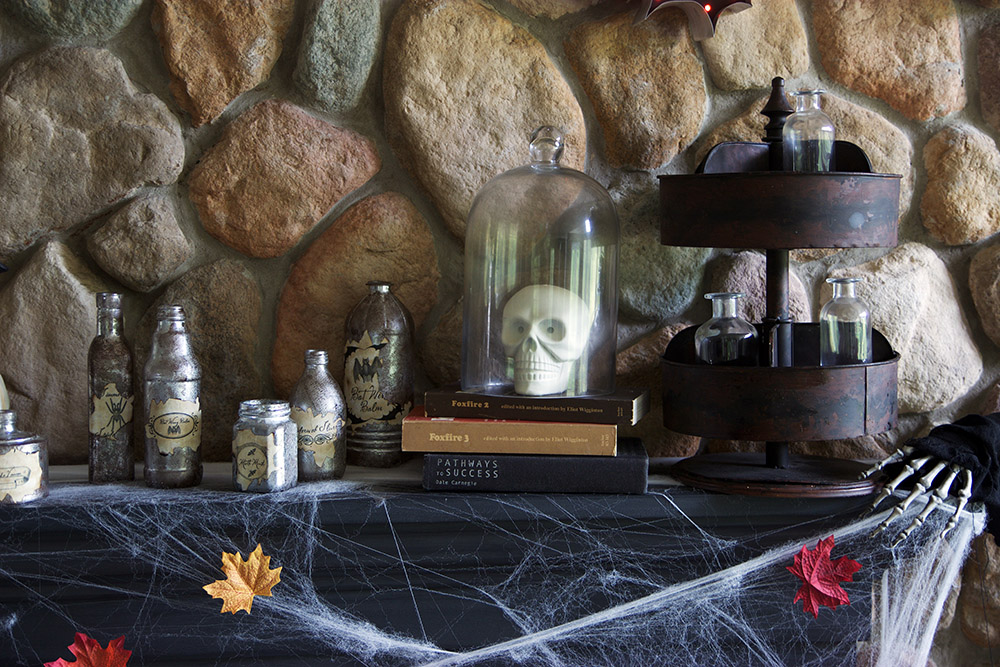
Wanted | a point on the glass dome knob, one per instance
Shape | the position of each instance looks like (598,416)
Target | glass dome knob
(546,145)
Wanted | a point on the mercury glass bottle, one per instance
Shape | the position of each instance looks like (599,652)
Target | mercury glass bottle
(110,363)
(265,443)
(378,377)
(845,326)
(319,412)
(172,404)
(808,135)
(541,284)
(726,338)
(24,463)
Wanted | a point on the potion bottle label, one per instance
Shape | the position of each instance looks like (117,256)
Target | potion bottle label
(318,433)
(174,424)
(110,412)
(20,474)
(365,398)
(251,456)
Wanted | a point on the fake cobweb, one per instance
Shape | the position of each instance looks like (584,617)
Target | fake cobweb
(390,575)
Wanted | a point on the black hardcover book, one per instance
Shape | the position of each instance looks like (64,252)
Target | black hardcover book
(627,472)
(625,406)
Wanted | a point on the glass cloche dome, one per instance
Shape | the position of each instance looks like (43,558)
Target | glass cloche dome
(541,283)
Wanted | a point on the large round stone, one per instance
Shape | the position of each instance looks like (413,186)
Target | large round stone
(905,52)
(984,283)
(274,174)
(75,137)
(380,238)
(450,65)
(74,18)
(552,9)
(650,118)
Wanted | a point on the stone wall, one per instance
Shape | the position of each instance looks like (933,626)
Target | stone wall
(258,160)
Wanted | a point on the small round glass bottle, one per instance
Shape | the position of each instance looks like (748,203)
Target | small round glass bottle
(319,411)
(110,363)
(172,404)
(24,463)
(726,339)
(808,135)
(845,326)
(265,446)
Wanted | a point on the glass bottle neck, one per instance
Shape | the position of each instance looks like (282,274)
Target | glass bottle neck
(109,323)
(7,424)
(843,290)
(807,102)
(724,306)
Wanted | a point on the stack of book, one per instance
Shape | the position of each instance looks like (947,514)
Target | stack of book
(488,442)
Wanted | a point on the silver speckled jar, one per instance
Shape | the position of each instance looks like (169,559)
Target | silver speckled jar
(111,402)
(319,411)
(24,463)
(172,404)
(378,377)
(265,446)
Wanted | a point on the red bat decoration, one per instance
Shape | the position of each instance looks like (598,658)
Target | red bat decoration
(822,577)
(702,14)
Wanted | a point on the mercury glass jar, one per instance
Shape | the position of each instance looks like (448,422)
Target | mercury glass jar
(265,446)
(378,377)
(541,285)
(319,412)
(845,326)
(24,463)
(808,135)
(172,404)
(726,338)
(110,363)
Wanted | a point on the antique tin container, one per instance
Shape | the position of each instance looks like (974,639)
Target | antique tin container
(319,412)
(378,377)
(172,405)
(265,446)
(111,400)
(24,463)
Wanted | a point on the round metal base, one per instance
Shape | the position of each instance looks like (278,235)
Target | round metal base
(746,474)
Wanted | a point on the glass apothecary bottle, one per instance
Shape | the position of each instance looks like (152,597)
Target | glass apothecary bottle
(541,284)
(726,338)
(319,411)
(24,463)
(845,326)
(265,446)
(110,363)
(808,136)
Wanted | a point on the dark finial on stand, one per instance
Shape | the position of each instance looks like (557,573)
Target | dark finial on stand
(777,110)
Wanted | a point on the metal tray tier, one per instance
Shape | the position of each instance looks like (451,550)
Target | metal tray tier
(802,402)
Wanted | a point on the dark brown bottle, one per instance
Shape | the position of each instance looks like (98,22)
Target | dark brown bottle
(111,401)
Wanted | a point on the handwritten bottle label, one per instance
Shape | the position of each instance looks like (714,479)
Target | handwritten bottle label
(110,412)
(174,424)
(318,433)
(20,475)
(364,397)
(251,456)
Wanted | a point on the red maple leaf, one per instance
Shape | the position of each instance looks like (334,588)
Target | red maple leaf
(822,577)
(89,653)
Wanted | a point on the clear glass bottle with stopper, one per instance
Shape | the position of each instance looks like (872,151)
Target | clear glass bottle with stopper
(726,338)
(319,411)
(845,326)
(172,404)
(110,365)
(808,136)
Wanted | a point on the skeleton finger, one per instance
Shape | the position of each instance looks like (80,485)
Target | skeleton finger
(897,455)
(963,497)
(932,503)
(936,500)
(909,469)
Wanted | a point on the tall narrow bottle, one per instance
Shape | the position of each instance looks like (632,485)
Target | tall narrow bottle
(110,364)
(319,411)
(172,404)
(378,377)
(845,326)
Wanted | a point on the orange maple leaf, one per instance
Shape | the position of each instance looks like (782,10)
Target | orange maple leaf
(89,653)
(244,580)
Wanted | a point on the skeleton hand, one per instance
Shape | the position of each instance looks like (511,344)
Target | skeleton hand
(931,470)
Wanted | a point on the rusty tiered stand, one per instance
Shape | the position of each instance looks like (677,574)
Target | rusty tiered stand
(740,198)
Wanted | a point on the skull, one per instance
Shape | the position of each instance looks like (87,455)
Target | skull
(545,329)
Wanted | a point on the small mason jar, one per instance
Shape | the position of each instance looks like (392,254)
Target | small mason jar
(265,447)
(726,338)
(24,463)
